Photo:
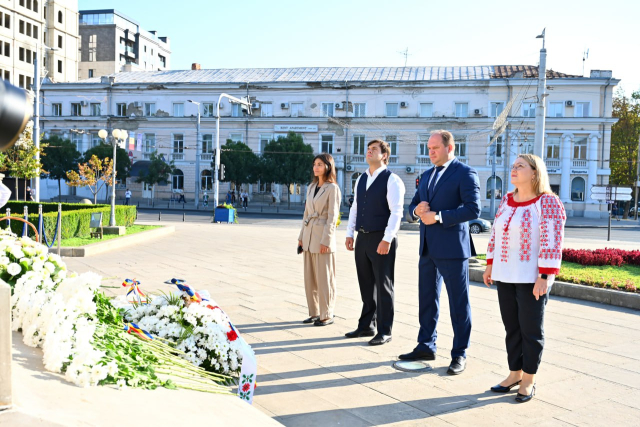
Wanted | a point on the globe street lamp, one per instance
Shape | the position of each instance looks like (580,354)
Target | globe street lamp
(118,135)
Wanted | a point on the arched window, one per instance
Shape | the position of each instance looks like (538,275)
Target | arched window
(205,180)
(60,16)
(577,189)
(354,178)
(498,187)
(177,180)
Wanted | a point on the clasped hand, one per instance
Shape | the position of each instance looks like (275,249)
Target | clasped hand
(423,211)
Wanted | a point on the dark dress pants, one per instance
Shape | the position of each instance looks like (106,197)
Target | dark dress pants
(375,276)
(455,273)
(523,319)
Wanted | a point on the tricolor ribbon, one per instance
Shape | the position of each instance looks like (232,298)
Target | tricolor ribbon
(134,288)
(193,295)
(132,328)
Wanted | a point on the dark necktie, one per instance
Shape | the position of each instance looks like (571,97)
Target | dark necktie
(432,184)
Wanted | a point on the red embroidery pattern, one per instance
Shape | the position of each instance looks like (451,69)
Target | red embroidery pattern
(525,236)
(504,254)
(491,247)
(553,215)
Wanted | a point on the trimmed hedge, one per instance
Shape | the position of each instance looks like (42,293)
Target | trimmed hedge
(75,217)
(613,257)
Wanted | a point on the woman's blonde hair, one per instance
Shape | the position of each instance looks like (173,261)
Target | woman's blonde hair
(541,178)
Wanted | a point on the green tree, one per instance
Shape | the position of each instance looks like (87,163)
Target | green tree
(241,165)
(287,161)
(20,160)
(94,174)
(158,171)
(105,151)
(625,136)
(61,156)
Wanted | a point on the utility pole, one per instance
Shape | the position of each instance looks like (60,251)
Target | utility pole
(36,119)
(635,208)
(198,148)
(538,145)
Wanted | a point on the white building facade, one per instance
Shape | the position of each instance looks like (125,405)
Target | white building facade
(338,110)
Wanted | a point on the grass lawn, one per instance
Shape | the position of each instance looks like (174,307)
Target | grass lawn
(82,241)
(626,277)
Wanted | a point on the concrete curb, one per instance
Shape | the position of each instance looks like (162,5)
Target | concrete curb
(581,292)
(109,245)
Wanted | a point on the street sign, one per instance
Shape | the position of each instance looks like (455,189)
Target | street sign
(610,193)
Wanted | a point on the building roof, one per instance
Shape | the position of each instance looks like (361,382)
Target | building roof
(330,74)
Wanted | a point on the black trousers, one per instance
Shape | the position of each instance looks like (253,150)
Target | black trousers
(375,276)
(523,319)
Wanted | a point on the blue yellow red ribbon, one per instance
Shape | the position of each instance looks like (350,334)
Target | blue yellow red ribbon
(193,295)
(132,328)
(134,288)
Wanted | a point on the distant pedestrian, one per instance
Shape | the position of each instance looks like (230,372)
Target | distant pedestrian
(30,197)
(245,200)
(274,197)
(233,197)
(127,197)
(181,198)
(229,197)
(205,199)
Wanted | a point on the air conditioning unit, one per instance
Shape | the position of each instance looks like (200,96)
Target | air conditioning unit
(255,105)
(568,103)
(350,168)
(404,104)
(84,103)
(339,106)
(410,169)
(477,111)
(284,105)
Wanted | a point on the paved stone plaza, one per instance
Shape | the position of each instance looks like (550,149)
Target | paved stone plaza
(309,375)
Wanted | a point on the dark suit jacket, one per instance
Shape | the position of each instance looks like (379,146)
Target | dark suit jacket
(457,197)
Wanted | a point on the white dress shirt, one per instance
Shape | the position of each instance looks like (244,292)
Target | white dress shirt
(395,199)
(445,166)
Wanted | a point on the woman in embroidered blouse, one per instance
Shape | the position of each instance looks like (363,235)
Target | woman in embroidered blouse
(523,257)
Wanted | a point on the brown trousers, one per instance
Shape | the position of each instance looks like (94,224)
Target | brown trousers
(320,283)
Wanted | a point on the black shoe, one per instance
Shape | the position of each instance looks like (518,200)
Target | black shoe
(311,319)
(418,355)
(380,339)
(457,365)
(319,322)
(360,333)
(504,389)
(524,398)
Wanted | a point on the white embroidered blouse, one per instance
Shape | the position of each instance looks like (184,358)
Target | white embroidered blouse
(526,239)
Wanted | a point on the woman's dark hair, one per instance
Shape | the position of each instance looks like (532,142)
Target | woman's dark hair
(330,168)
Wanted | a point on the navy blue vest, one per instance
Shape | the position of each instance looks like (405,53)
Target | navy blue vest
(373,209)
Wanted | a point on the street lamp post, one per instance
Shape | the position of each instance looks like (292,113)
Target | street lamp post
(246,102)
(197,104)
(117,135)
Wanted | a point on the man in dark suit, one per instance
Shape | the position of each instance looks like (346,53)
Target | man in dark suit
(447,198)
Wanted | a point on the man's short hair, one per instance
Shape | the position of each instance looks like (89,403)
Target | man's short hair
(384,148)
(447,137)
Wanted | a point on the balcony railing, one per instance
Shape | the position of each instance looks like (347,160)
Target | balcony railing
(423,160)
(393,159)
(552,163)
(498,161)
(356,158)
(206,156)
(579,163)
(177,156)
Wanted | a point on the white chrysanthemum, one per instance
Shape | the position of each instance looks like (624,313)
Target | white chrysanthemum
(14,269)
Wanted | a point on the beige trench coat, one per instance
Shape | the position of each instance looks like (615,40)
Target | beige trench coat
(321,214)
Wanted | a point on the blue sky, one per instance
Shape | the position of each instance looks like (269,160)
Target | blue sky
(284,33)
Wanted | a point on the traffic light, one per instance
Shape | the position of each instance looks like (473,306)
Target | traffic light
(417,182)
(221,172)
(246,108)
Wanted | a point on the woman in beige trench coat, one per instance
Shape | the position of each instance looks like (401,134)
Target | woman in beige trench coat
(318,240)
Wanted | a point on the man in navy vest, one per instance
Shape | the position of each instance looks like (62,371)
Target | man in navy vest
(447,198)
(376,214)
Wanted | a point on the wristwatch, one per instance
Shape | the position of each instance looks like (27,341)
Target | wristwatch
(437,217)
(544,276)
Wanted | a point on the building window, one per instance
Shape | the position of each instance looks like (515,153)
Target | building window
(35,32)
(360,109)
(422,144)
(56,109)
(552,145)
(7,21)
(496,108)
(496,147)
(205,180)
(149,109)
(7,75)
(577,189)
(95,109)
(7,50)
(266,110)
(236,110)
(359,145)
(426,110)
(90,74)
(76,139)
(21,81)
(21,54)
(391,109)
(460,149)
(235,137)
(149,142)
(208,109)
(121,109)
(178,109)
(207,143)
(498,194)
(163,61)
(462,109)
(28,32)
(60,42)
(582,109)
(392,140)
(326,144)
(580,149)
(354,179)
(93,47)
(297,109)
(178,143)
(264,140)
(59,66)
(556,109)
(96,140)
(327,109)
(35,5)
(60,16)
(21,26)
(529,109)
(76,109)
(177,180)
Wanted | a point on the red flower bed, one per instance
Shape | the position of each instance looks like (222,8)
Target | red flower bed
(614,257)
